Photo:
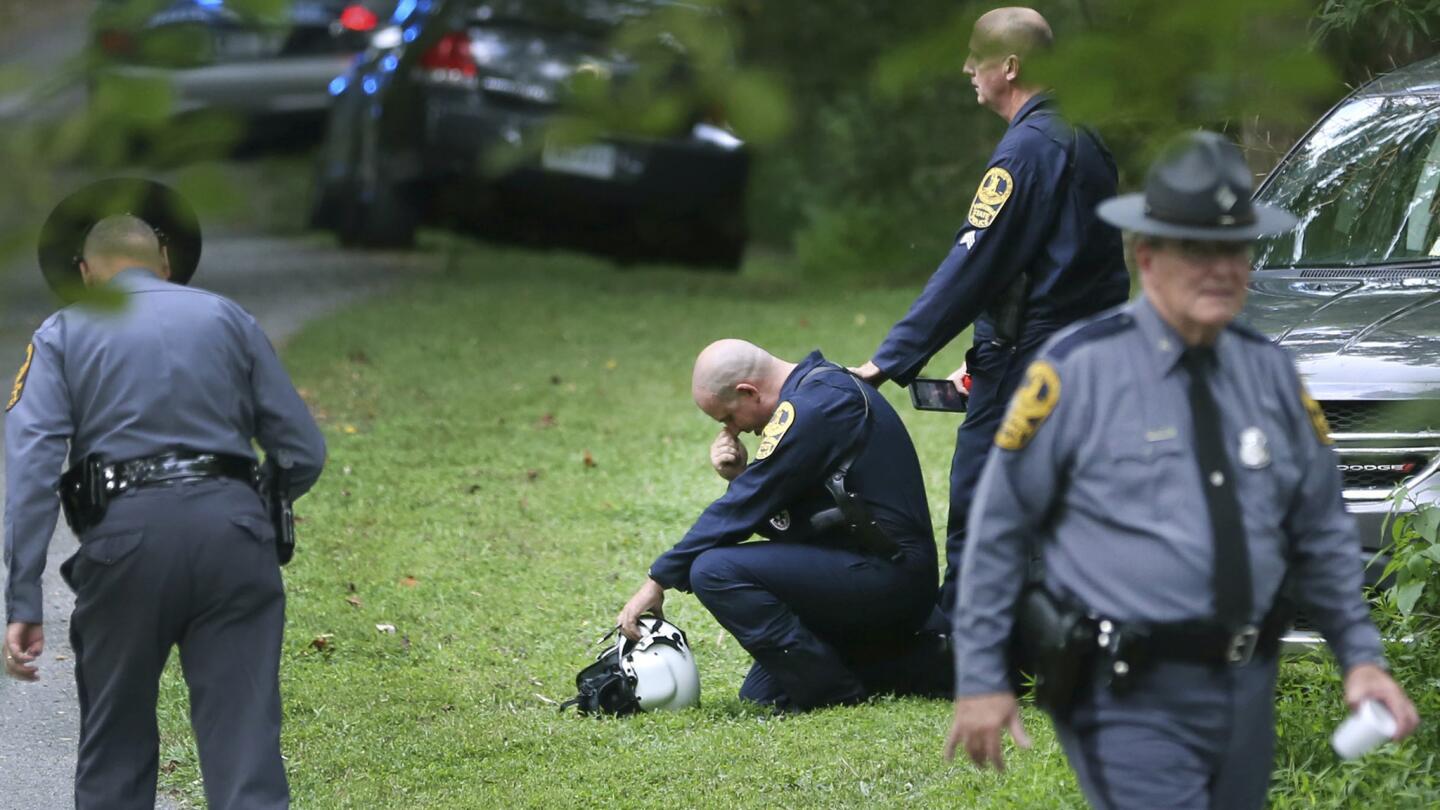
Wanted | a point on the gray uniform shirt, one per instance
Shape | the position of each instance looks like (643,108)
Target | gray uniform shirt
(172,369)
(1109,488)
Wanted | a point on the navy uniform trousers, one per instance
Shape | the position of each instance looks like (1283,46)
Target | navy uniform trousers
(825,625)
(190,564)
(1188,737)
(995,373)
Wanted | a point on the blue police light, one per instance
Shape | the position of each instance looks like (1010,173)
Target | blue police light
(403,11)
(389,63)
(370,85)
(338,85)
(411,33)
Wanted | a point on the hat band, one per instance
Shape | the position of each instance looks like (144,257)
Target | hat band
(1172,217)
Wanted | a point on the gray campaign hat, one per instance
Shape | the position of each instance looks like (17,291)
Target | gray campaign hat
(161,207)
(1199,188)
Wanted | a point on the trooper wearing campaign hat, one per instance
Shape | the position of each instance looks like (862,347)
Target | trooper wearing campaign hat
(1167,466)
(155,391)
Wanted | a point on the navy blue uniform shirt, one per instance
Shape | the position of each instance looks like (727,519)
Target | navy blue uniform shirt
(826,411)
(1031,215)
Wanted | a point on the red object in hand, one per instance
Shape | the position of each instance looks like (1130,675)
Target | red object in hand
(965,383)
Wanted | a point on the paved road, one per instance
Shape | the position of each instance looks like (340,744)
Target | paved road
(284,283)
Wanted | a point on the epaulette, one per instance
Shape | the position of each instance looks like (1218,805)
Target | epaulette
(1087,332)
(1245,330)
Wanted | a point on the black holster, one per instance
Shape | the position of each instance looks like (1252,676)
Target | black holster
(82,494)
(1054,643)
(1007,313)
(275,489)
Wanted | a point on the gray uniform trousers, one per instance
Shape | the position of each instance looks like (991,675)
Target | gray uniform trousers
(191,564)
(1187,736)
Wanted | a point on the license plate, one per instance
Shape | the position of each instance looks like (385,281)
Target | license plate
(246,45)
(595,160)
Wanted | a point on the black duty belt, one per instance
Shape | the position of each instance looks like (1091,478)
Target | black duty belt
(92,482)
(122,476)
(1209,643)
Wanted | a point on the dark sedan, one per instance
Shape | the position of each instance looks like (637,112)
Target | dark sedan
(255,60)
(469,114)
(1354,291)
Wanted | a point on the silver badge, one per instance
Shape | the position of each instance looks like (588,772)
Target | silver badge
(781,522)
(1254,450)
(1226,198)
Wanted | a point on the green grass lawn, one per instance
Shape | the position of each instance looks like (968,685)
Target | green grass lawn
(511,444)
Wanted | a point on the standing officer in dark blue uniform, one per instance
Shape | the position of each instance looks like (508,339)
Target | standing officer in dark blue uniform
(850,565)
(1030,258)
(155,390)
(1177,480)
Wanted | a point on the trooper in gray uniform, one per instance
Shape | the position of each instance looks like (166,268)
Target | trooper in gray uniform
(155,391)
(1173,475)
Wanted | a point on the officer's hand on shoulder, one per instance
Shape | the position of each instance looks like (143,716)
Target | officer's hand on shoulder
(870,373)
(728,455)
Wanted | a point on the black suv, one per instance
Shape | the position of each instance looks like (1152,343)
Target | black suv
(449,117)
(1354,291)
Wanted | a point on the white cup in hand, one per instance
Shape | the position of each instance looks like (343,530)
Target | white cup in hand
(1369,726)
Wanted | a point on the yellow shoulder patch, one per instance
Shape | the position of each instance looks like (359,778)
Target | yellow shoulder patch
(1034,400)
(1317,417)
(19,387)
(774,431)
(994,190)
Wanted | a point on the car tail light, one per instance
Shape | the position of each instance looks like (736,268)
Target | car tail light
(115,43)
(450,58)
(358,18)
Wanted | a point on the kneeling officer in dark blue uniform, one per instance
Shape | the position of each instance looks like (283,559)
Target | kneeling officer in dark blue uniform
(850,564)
(158,390)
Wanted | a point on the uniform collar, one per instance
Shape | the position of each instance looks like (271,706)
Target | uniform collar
(1160,337)
(1036,102)
(136,278)
(792,382)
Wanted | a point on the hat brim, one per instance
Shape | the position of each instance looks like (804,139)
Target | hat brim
(63,236)
(1127,212)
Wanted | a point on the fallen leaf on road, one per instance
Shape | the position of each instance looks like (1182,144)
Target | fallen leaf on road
(385,628)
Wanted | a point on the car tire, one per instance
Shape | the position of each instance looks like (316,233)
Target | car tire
(720,238)
(372,209)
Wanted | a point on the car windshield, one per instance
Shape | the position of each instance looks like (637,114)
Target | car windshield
(1365,185)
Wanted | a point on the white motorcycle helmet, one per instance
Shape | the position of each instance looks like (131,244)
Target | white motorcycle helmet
(661,667)
(655,673)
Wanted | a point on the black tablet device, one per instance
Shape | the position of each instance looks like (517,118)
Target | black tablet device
(937,395)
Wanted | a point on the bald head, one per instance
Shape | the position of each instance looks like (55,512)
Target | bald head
(120,242)
(725,364)
(1016,31)
(738,383)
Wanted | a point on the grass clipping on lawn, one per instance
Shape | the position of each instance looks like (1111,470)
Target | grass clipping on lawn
(511,444)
